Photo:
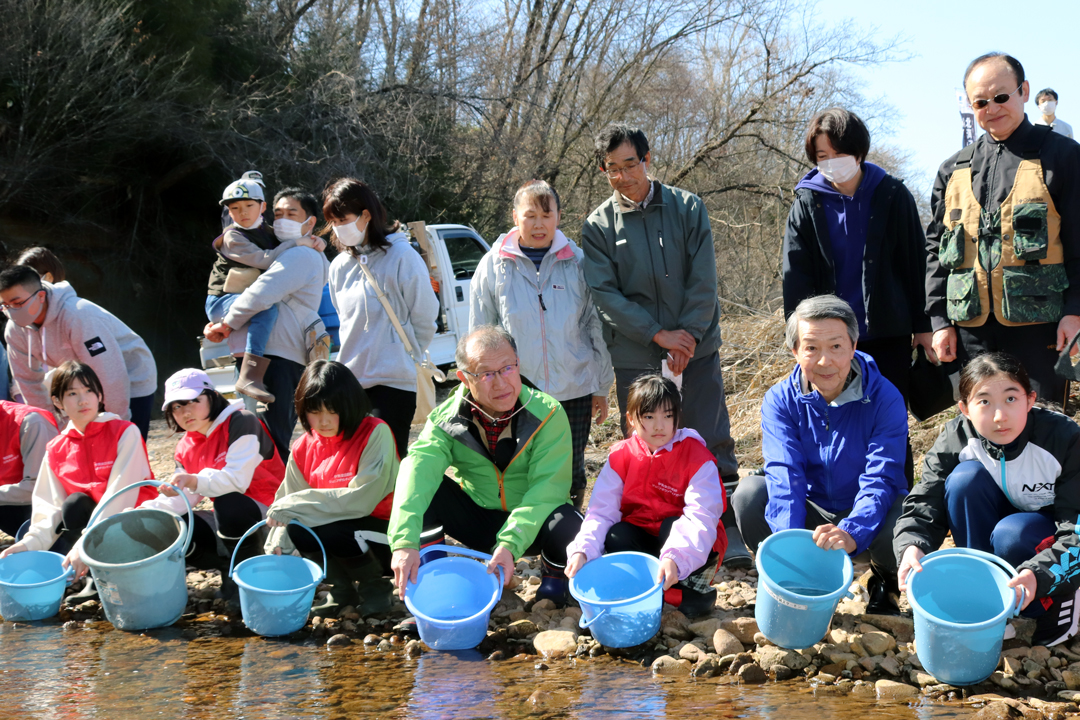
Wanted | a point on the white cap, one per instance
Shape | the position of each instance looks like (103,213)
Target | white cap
(242,190)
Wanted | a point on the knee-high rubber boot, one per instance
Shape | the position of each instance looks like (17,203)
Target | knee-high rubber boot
(554,585)
(884,591)
(250,382)
(342,593)
(737,556)
(376,591)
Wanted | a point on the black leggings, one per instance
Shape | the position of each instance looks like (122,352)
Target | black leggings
(339,539)
(396,408)
(12,518)
(454,513)
(235,514)
(75,515)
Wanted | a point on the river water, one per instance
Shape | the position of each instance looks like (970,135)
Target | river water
(189,672)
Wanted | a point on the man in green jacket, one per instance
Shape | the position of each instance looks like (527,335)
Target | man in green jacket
(651,266)
(510,450)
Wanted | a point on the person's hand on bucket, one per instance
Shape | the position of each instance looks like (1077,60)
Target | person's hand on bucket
(505,559)
(669,573)
(574,563)
(405,563)
(179,481)
(16,548)
(74,560)
(830,537)
(908,563)
(1025,579)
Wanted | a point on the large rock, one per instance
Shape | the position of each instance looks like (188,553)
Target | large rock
(1052,710)
(1071,679)
(889,665)
(772,655)
(877,643)
(996,711)
(691,652)
(726,643)
(752,674)
(521,629)
(901,628)
(707,666)
(892,690)
(555,643)
(743,628)
(667,665)
(705,628)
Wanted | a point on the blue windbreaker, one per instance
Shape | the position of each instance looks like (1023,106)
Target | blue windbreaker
(845,455)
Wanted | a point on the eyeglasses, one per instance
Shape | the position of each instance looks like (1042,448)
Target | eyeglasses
(489,376)
(19,304)
(999,99)
(613,173)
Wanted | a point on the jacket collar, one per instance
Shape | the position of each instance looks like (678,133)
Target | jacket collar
(626,205)
(233,407)
(508,246)
(680,435)
(857,388)
(1013,449)
(96,425)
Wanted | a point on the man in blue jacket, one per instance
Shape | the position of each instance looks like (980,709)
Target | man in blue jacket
(834,437)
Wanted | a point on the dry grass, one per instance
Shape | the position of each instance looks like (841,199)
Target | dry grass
(753,358)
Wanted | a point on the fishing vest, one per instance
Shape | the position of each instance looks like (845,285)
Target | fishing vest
(11,420)
(1010,262)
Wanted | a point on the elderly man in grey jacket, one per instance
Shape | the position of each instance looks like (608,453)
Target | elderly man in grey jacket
(294,282)
(650,263)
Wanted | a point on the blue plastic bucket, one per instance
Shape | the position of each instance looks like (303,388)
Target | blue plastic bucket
(452,598)
(137,560)
(799,586)
(961,605)
(276,590)
(620,597)
(32,585)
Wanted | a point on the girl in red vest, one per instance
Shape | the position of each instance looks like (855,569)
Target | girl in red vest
(24,433)
(226,454)
(97,454)
(659,493)
(340,483)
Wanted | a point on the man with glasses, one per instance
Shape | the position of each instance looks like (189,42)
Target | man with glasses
(651,266)
(1003,246)
(50,325)
(510,449)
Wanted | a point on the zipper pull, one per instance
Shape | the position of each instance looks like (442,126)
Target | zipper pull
(542,306)
(660,237)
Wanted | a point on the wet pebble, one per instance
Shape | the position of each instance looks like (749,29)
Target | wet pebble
(339,640)
(540,667)
(385,645)
(413,649)
(497,656)
(371,639)
(752,674)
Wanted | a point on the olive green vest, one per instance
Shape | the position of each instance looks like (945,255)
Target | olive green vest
(1010,261)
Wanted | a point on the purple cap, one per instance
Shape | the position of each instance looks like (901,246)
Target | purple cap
(186,385)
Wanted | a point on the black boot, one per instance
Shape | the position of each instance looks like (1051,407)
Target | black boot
(554,585)
(342,592)
(737,556)
(884,591)
(376,591)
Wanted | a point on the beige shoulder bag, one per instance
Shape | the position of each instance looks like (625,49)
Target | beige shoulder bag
(426,371)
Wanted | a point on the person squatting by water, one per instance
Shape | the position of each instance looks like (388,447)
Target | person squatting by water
(658,493)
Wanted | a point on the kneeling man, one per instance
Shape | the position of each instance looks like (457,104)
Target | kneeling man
(511,453)
(834,438)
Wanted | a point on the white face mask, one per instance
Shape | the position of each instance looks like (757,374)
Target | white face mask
(1048,107)
(839,169)
(286,229)
(349,234)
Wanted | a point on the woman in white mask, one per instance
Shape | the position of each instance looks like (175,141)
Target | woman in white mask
(374,250)
(854,231)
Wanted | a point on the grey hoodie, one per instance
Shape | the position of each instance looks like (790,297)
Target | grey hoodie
(370,346)
(77,329)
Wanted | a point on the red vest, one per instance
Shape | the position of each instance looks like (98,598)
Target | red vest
(11,419)
(654,485)
(196,452)
(83,463)
(333,462)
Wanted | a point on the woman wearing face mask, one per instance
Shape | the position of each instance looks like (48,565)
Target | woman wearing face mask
(532,283)
(370,345)
(854,231)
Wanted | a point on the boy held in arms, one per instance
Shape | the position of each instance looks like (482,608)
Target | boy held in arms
(245,249)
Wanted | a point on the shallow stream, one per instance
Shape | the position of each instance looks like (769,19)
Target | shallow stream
(94,671)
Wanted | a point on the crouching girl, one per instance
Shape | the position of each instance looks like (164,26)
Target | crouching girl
(659,493)
(96,455)
(1004,477)
(340,483)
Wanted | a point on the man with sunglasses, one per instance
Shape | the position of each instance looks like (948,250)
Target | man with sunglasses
(651,267)
(50,324)
(1003,246)
(510,449)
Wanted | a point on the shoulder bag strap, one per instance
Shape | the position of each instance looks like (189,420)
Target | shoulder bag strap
(389,310)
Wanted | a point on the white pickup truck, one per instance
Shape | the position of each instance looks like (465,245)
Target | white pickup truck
(451,253)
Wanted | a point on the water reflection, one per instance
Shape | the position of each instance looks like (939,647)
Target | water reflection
(439,692)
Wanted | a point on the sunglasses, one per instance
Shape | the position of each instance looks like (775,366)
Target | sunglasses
(999,99)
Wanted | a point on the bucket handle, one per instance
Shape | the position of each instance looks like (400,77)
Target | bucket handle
(256,526)
(583,623)
(105,501)
(463,551)
(991,558)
